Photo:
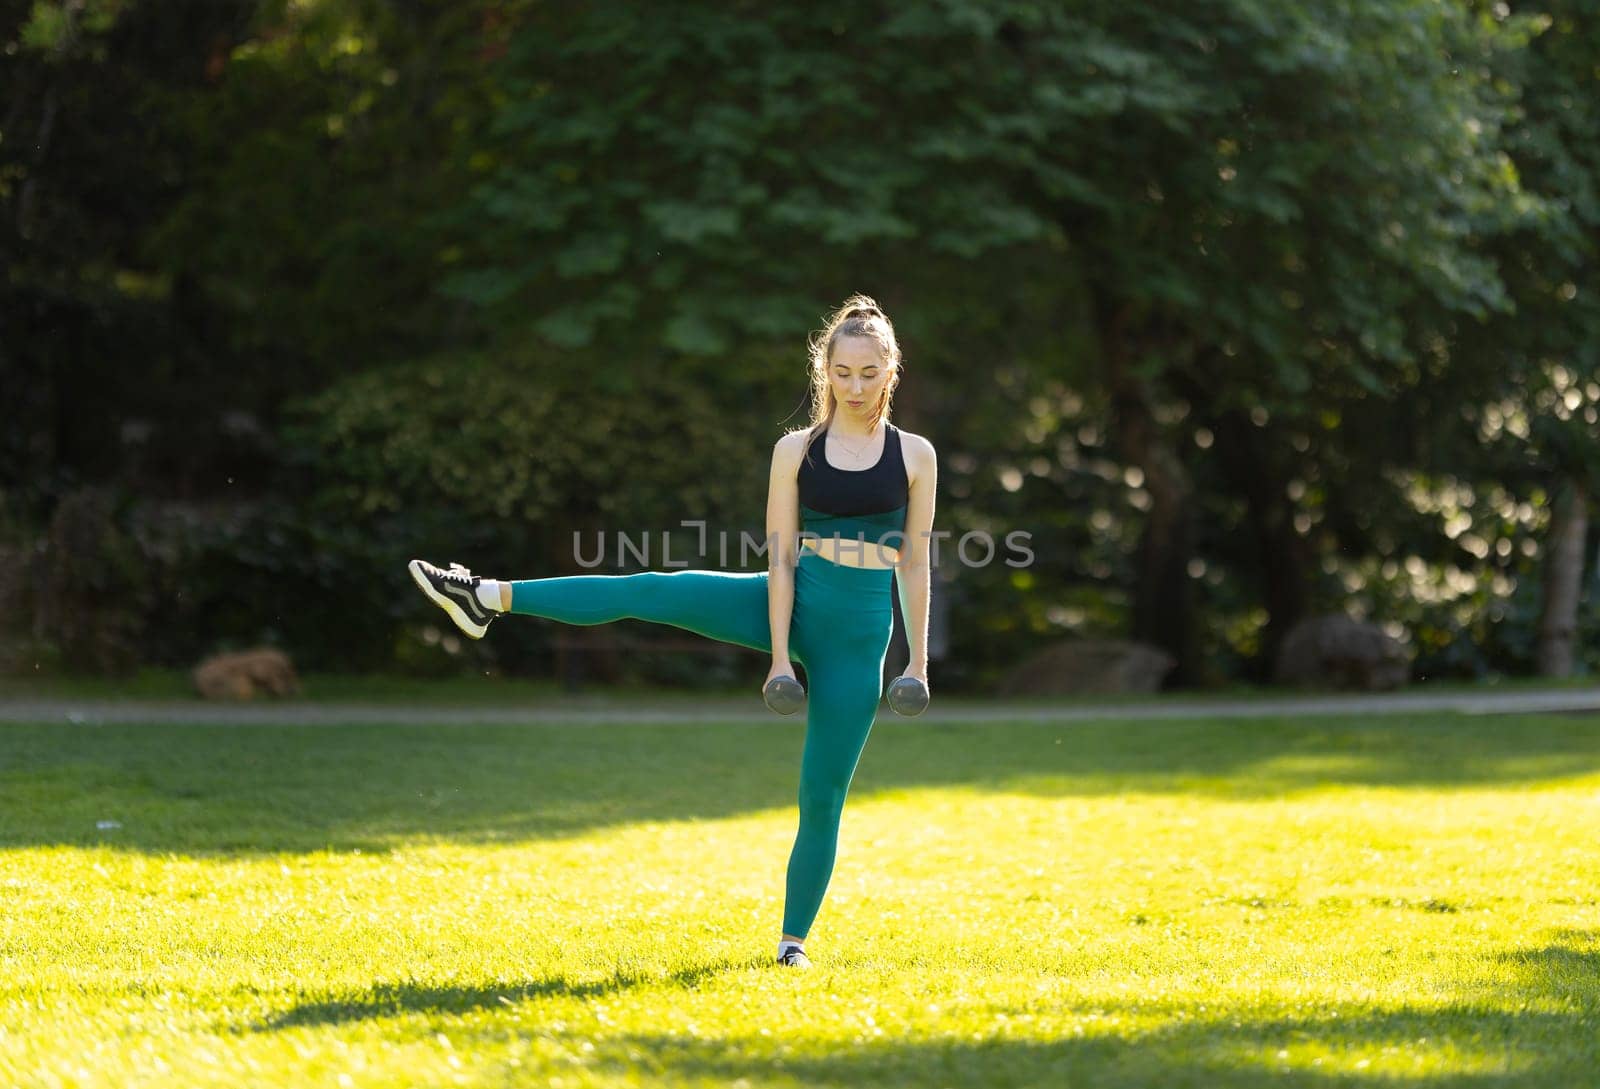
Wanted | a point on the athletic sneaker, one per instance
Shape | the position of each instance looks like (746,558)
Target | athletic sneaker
(792,956)
(456,592)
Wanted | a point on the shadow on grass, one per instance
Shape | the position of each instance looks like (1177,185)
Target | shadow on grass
(1534,1027)
(246,789)
(1455,1046)
(399,999)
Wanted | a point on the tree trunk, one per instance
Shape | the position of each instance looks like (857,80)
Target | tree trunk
(1284,558)
(1163,606)
(1563,579)
(1164,612)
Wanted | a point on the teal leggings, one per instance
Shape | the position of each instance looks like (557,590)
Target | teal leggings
(839,630)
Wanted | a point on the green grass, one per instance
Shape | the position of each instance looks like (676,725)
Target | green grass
(1321,902)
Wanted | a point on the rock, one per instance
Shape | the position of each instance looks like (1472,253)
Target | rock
(1089,666)
(1340,652)
(246,675)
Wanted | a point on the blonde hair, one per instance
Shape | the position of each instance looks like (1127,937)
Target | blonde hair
(859,316)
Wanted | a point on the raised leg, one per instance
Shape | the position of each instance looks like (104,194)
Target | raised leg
(730,607)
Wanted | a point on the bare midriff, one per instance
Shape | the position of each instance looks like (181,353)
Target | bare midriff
(853,553)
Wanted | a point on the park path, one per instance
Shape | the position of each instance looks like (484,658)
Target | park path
(681,710)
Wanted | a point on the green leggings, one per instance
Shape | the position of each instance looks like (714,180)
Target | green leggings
(839,630)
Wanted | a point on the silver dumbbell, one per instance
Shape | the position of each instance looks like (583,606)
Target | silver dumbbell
(908,696)
(784,695)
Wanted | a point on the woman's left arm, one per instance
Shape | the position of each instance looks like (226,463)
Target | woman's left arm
(912,574)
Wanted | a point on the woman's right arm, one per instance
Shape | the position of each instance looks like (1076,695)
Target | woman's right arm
(783,527)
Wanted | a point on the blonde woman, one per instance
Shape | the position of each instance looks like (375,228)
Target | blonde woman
(849,514)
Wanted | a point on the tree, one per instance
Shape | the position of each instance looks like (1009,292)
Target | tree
(1536,425)
(1252,189)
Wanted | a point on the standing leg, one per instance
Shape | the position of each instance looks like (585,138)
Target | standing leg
(846,682)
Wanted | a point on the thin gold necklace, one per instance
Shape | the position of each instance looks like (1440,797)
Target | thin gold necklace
(855,454)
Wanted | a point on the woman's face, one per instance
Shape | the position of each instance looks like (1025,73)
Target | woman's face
(857,374)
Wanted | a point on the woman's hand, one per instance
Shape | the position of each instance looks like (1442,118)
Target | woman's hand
(781,667)
(920,673)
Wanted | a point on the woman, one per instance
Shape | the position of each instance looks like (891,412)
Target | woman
(849,511)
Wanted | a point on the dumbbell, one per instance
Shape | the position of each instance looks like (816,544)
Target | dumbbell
(907,696)
(784,695)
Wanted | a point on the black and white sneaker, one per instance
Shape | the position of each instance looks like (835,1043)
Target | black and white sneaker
(456,592)
(791,955)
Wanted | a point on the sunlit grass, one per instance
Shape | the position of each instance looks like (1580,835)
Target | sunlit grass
(1205,903)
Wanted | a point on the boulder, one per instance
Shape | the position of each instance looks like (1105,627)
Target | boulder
(1089,666)
(1341,652)
(246,675)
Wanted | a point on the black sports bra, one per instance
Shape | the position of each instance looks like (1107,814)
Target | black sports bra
(855,504)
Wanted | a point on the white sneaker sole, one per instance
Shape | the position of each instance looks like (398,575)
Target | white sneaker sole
(463,621)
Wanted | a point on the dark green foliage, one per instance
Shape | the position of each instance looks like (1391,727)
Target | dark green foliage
(1202,295)
(89,586)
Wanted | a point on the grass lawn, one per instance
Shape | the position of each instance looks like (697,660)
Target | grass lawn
(1324,902)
